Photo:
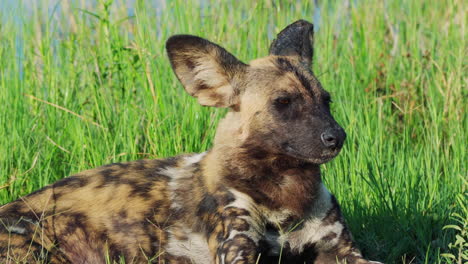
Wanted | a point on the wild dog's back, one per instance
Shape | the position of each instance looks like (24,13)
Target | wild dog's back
(122,209)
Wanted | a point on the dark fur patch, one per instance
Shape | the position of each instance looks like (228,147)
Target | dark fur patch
(234,212)
(202,86)
(330,236)
(190,65)
(285,65)
(261,175)
(72,182)
(334,214)
(118,164)
(74,221)
(166,163)
(295,40)
(208,205)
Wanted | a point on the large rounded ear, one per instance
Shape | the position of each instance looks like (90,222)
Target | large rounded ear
(206,70)
(295,40)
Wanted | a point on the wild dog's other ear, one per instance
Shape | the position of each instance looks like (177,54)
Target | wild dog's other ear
(206,70)
(295,40)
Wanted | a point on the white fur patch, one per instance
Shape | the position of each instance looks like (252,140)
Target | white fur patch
(173,184)
(313,229)
(314,232)
(194,158)
(173,172)
(223,257)
(179,173)
(238,257)
(277,217)
(16,229)
(195,247)
(244,201)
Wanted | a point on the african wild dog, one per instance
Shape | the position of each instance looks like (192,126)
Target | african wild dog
(256,193)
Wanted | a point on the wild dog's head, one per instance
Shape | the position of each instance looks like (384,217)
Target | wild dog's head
(276,102)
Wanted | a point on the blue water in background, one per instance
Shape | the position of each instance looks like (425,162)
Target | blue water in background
(12,12)
(23,8)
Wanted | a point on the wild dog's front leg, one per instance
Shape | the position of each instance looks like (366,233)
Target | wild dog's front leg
(323,237)
(235,237)
(234,232)
(336,245)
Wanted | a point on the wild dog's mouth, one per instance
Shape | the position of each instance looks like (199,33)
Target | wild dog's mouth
(325,156)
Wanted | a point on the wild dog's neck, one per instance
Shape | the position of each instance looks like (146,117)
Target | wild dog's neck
(271,179)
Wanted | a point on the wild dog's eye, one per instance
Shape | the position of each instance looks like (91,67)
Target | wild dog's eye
(283,100)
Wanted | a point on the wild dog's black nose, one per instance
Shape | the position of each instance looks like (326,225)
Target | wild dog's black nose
(329,139)
(333,138)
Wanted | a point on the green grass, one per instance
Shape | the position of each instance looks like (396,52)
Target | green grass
(83,85)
